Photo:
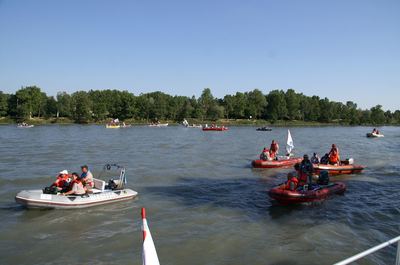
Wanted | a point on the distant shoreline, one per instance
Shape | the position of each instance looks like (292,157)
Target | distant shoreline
(226,122)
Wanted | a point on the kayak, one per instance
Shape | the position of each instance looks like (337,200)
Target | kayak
(374,135)
(280,163)
(264,129)
(317,193)
(338,169)
(223,128)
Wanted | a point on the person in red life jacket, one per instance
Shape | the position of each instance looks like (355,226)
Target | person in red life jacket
(305,170)
(76,186)
(292,182)
(273,150)
(61,180)
(265,155)
(334,157)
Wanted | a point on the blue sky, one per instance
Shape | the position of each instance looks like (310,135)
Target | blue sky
(340,49)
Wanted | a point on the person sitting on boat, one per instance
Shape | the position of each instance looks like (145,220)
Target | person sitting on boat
(334,157)
(374,131)
(325,159)
(76,186)
(305,170)
(61,181)
(265,155)
(87,178)
(273,150)
(292,182)
(315,159)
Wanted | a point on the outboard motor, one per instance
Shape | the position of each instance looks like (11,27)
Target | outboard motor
(111,185)
(323,178)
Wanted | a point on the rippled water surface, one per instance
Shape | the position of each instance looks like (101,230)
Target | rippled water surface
(205,204)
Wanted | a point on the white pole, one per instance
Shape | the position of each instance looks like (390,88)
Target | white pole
(370,251)
(398,254)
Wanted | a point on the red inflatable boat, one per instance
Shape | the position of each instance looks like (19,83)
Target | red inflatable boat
(318,193)
(281,163)
(223,128)
(338,169)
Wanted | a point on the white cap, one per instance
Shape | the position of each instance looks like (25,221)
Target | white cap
(64,172)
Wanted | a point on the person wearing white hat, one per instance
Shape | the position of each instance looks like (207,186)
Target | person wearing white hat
(61,180)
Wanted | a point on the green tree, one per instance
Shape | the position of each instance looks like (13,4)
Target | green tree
(3,104)
(377,115)
(50,107)
(64,105)
(256,103)
(81,104)
(326,112)
(31,102)
(207,104)
(396,117)
(239,105)
(276,108)
(292,104)
(228,103)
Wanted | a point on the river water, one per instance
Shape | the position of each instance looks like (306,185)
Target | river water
(204,202)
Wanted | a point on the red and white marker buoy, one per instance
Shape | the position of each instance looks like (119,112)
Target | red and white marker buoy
(149,254)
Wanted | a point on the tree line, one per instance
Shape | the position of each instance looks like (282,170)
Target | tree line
(99,105)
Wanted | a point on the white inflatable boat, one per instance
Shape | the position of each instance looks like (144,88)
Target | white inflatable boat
(374,135)
(103,193)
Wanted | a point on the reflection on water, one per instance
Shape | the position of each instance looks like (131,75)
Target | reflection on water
(205,204)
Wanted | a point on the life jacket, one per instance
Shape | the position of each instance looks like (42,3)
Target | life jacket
(306,169)
(265,155)
(292,184)
(334,156)
(274,147)
(62,180)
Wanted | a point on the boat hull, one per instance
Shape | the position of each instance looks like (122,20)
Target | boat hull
(158,125)
(219,129)
(113,126)
(299,196)
(284,163)
(374,135)
(36,199)
(338,170)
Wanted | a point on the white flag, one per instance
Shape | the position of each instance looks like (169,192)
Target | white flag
(289,143)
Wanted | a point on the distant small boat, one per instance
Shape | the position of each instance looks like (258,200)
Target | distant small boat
(187,125)
(215,128)
(113,126)
(374,135)
(194,126)
(25,125)
(158,125)
(264,129)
